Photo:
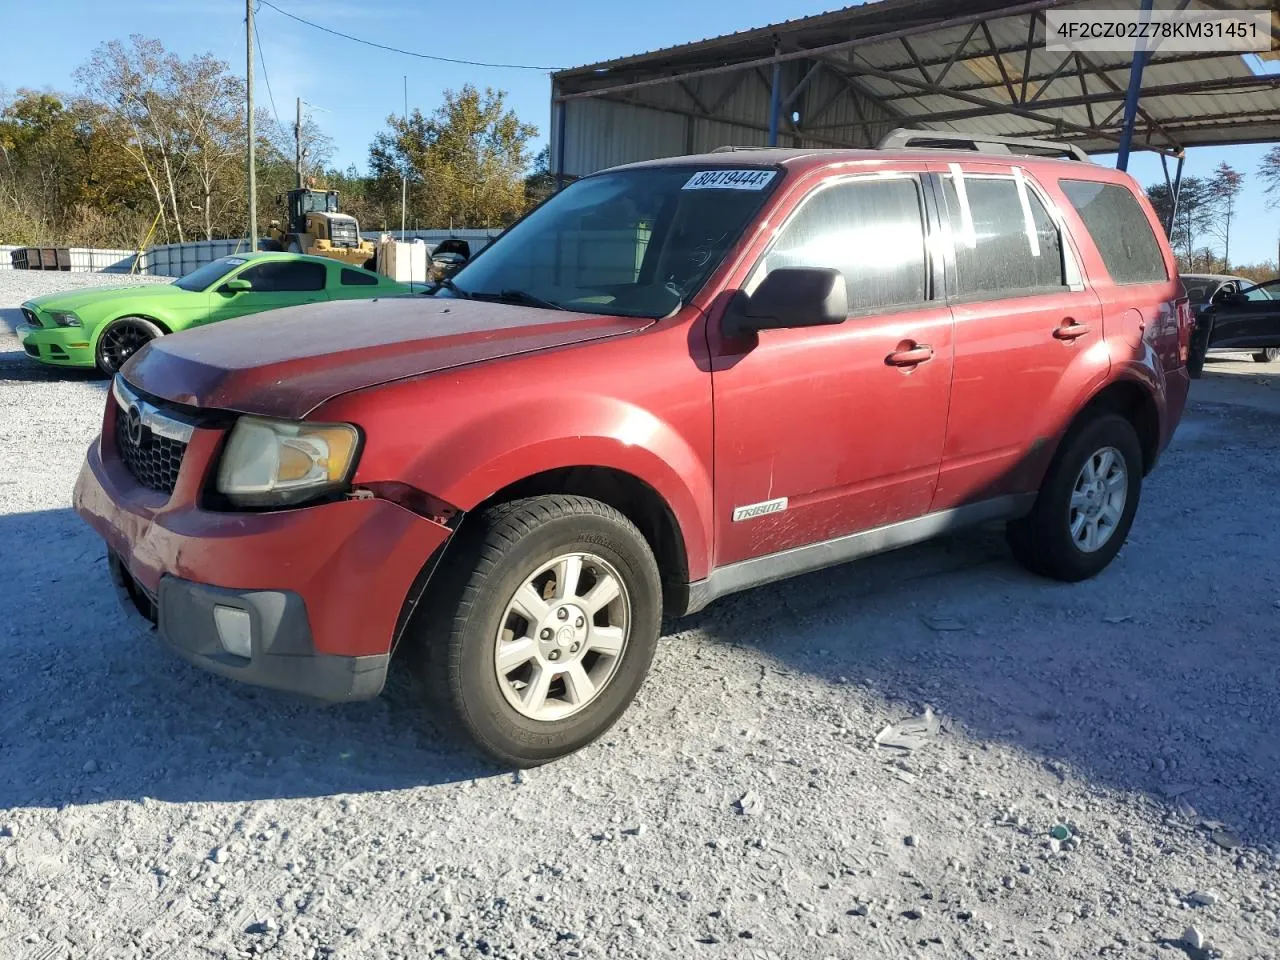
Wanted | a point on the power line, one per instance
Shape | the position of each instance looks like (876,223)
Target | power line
(407,53)
(262,58)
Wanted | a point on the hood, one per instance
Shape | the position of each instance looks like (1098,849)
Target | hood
(87,296)
(285,362)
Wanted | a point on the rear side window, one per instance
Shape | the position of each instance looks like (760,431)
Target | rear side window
(1120,230)
(354,278)
(872,231)
(1012,246)
(285,276)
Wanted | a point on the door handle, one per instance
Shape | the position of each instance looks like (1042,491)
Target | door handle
(1070,330)
(910,356)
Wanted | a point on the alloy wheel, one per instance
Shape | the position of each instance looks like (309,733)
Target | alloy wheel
(121,341)
(1097,499)
(562,636)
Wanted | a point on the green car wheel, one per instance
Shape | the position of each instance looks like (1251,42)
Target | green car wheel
(121,340)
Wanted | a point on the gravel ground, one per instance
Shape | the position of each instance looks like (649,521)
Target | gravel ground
(741,809)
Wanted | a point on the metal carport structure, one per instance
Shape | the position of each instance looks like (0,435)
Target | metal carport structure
(847,77)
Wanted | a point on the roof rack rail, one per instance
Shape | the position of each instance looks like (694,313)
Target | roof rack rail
(733,148)
(903,138)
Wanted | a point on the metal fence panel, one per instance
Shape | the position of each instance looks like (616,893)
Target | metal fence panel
(179,259)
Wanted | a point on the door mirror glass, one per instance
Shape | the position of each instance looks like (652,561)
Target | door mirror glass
(238,285)
(791,297)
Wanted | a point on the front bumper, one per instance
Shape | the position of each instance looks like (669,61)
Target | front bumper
(323,586)
(282,655)
(62,346)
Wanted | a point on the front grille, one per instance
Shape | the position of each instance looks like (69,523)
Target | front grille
(153,460)
(342,233)
(31,318)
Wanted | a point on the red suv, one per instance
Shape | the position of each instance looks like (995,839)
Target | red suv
(671,381)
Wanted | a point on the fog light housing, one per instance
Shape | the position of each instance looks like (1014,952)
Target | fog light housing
(235,630)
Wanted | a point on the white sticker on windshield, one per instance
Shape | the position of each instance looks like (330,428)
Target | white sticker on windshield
(236,261)
(730,180)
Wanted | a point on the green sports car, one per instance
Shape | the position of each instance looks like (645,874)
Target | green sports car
(103,326)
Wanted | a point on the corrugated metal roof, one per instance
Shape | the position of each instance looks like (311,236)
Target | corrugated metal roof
(933,72)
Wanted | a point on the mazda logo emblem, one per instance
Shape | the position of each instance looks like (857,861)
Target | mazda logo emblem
(133,425)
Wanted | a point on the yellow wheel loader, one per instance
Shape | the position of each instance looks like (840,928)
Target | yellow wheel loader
(316,227)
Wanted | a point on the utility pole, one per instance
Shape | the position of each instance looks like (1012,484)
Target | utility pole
(297,139)
(404,182)
(250,164)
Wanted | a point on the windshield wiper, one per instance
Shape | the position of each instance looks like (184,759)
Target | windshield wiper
(521,297)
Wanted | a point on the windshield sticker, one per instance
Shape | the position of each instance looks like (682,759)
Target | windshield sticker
(730,180)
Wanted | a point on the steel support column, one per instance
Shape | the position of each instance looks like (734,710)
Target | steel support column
(1140,58)
(561,109)
(1175,192)
(775,103)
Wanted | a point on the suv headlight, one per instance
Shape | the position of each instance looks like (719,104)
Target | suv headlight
(279,463)
(64,318)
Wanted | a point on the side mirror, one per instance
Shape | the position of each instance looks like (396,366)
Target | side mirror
(791,297)
(238,285)
(1234,300)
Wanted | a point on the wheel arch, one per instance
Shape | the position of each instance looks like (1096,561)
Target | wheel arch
(165,327)
(633,497)
(630,495)
(1133,400)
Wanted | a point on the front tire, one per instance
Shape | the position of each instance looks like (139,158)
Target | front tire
(120,340)
(1199,348)
(541,627)
(1086,505)
(1267,355)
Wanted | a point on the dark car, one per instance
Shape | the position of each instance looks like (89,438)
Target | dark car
(1233,314)
(449,257)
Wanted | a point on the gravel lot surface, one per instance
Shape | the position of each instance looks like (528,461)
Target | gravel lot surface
(1104,779)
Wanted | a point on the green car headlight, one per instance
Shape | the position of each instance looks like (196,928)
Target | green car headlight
(65,318)
(280,463)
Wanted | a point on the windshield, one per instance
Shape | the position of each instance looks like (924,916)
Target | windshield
(316,202)
(204,277)
(632,243)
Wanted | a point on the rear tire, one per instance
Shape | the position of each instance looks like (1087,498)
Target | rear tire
(1268,355)
(1092,487)
(528,679)
(120,340)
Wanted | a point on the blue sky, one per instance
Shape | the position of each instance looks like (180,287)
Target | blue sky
(353,88)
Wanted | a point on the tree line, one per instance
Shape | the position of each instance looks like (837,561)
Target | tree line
(149,144)
(1205,214)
